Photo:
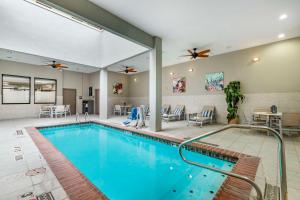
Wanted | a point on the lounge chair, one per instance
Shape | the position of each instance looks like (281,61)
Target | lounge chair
(131,117)
(165,109)
(206,116)
(178,114)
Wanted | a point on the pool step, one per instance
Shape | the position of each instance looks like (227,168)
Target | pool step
(271,192)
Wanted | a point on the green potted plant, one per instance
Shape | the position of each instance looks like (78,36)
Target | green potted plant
(233,97)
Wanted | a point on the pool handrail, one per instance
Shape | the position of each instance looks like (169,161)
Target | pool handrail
(282,161)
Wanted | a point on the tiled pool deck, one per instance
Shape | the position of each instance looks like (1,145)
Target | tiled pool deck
(14,182)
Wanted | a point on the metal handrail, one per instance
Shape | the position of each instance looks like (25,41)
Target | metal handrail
(86,116)
(282,162)
(77,117)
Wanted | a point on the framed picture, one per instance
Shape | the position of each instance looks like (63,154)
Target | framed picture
(45,91)
(16,89)
(179,85)
(214,81)
(117,88)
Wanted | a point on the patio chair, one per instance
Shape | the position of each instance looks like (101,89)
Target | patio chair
(117,110)
(68,109)
(206,116)
(45,111)
(178,114)
(59,111)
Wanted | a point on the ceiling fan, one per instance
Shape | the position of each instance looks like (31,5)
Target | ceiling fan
(194,54)
(128,69)
(57,66)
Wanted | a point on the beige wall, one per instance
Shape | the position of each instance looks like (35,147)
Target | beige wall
(65,79)
(273,80)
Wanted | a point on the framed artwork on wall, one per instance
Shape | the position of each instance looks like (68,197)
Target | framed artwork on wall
(117,88)
(16,89)
(179,85)
(214,81)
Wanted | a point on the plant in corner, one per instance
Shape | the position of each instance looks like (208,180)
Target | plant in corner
(233,97)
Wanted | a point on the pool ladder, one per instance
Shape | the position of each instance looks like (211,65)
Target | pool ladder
(281,155)
(86,117)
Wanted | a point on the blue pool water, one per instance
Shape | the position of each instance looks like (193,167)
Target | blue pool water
(126,166)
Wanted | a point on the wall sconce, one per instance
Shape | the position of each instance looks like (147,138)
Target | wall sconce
(255,59)
(172,73)
(191,69)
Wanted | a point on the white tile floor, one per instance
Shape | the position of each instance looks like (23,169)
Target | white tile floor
(14,182)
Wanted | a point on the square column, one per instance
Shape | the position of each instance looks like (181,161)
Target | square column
(155,87)
(103,95)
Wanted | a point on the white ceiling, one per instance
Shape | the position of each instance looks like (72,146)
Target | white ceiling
(16,56)
(222,26)
(32,30)
(139,62)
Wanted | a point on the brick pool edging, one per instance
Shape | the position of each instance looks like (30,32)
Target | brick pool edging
(231,188)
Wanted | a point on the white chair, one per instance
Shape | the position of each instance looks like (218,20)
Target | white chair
(45,111)
(59,111)
(68,109)
(117,110)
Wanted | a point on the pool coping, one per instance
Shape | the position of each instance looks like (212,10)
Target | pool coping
(77,186)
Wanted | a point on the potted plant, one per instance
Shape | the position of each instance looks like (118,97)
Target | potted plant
(233,97)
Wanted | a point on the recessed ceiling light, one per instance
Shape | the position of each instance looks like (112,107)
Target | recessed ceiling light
(191,69)
(135,79)
(255,59)
(281,35)
(171,73)
(283,16)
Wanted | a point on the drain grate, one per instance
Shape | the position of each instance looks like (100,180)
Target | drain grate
(36,171)
(20,133)
(17,149)
(45,196)
(18,157)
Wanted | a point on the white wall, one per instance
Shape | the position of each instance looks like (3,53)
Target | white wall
(274,80)
(66,79)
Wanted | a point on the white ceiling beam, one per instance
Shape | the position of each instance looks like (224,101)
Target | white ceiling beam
(98,16)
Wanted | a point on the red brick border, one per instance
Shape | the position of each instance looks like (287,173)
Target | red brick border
(78,186)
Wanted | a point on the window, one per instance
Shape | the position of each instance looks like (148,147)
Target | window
(15,89)
(44,91)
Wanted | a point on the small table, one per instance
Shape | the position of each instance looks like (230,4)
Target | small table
(124,109)
(269,115)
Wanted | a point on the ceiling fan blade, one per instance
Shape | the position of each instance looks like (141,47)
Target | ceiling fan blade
(190,51)
(204,51)
(185,55)
(203,56)
(62,66)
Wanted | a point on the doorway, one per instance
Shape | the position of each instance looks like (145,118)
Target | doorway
(97,101)
(69,98)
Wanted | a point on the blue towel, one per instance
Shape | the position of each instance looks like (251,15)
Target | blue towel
(133,114)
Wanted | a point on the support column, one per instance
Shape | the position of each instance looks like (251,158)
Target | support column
(155,81)
(103,95)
